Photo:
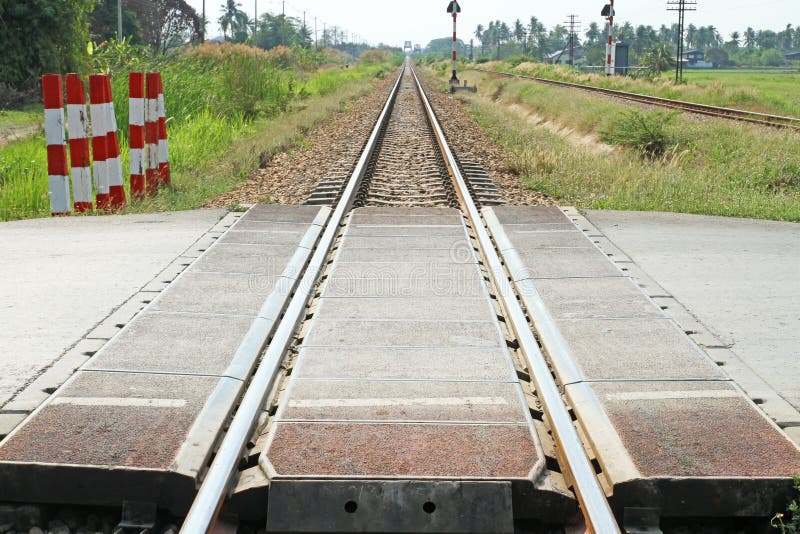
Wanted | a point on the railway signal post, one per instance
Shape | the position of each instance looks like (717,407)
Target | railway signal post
(608,12)
(455,84)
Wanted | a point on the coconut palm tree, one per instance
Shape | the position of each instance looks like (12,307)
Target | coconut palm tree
(232,18)
(750,38)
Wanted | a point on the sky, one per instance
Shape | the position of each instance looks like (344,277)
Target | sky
(422,20)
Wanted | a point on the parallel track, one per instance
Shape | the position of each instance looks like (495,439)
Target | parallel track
(775,121)
(369,185)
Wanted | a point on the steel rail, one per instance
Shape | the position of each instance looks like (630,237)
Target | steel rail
(764,119)
(594,504)
(215,486)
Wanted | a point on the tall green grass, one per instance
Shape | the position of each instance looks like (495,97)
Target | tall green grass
(215,96)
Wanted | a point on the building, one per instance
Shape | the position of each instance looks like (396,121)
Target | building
(793,56)
(561,57)
(695,59)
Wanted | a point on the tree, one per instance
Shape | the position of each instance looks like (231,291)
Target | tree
(520,36)
(234,19)
(104,23)
(659,58)
(39,36)
(479,37)
(750,38)
(718,57)
(736,39)
(593,33)
(166,23)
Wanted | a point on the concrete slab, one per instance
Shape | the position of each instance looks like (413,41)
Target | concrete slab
(739,277)
(218,293)
(445,255)
(404,309)
(281,213)
(129,425)
(369,400)
(474,364)
(250,259)
(407,242)
(60,277)
(347,450)
(403,334)
(594,298)
(451,273)
(288,236)
(411,287)
(659,440)
(564,263)
(631,349)
(453,230)
(538,239)
(205,346)
(529,214)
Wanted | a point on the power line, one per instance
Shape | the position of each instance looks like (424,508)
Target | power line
(681,6)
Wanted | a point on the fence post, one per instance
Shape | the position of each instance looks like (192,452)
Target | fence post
(163,151)
(136,133)
(98,107)
(78,122)
(116,187)
(151,133)
(57,173)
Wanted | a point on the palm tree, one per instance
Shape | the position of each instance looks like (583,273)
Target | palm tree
(479,37)
(519,36)
(750,38)
(736,39)
(659,58)
(232,18)
(593,33)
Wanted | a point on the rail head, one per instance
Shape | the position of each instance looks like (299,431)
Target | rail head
(594,504)
(216,483)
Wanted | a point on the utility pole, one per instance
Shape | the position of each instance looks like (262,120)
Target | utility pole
(203,35)
(255,17)
(316,42)
(681,6)
(119,20)
(574,27)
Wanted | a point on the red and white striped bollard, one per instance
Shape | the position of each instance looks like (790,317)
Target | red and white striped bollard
(136,133)
(151,133)
(78,123)
(116,188)
(163,150)
(57,172)
(98,108)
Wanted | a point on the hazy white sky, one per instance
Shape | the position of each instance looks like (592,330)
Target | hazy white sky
(423,20)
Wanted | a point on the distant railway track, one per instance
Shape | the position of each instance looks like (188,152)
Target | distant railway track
(764,119)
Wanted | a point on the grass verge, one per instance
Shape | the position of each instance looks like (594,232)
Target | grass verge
(708,166)
(232,107)
(771,92)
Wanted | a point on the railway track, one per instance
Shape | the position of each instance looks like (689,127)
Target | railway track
(400,355)
(774,121)
(406,162)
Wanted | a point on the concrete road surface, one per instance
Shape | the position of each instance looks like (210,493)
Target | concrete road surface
(739,277)
(60,277)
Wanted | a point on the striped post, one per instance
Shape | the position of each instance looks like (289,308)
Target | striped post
(57,173)
(610,46)
(163,151)
(151,133)
(78,121)
(136,133)
(454,79)
(97,107)
(116,188)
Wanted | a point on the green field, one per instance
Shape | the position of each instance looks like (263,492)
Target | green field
(764,91)
(554,140)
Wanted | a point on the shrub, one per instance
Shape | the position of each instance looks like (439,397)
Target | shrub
(792,524)
(644,132)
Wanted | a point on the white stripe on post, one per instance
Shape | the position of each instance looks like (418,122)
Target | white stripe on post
(78,122)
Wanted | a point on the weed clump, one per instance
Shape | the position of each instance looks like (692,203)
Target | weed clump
(643,132)
(792,524)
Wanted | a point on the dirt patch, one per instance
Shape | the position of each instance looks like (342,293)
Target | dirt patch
(15,133)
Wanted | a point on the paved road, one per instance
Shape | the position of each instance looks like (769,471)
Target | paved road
(60,277)
(739,277)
